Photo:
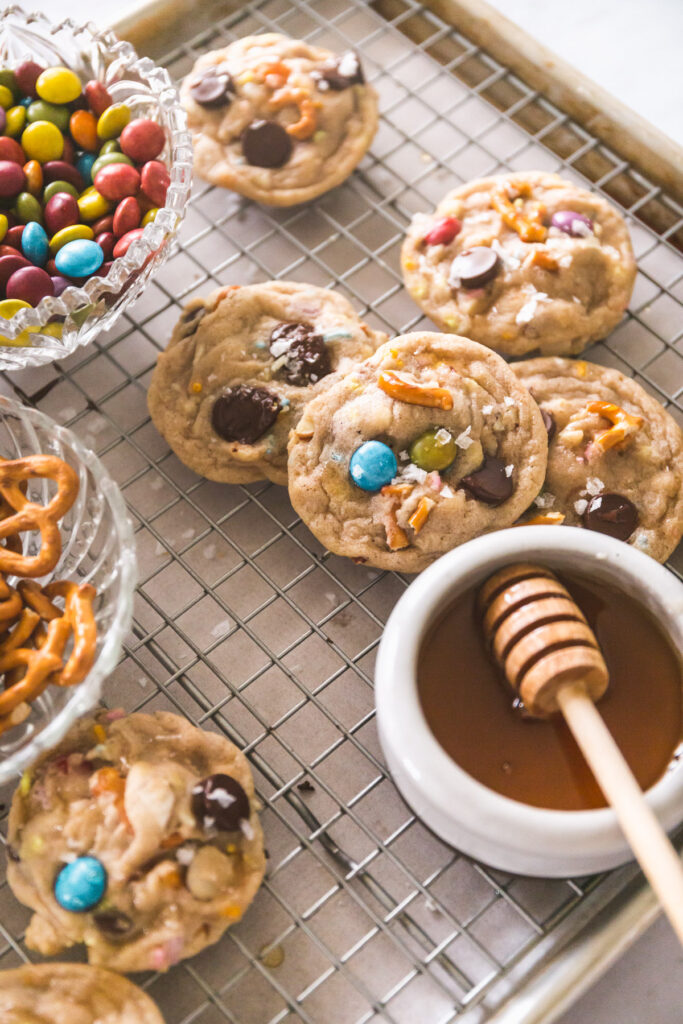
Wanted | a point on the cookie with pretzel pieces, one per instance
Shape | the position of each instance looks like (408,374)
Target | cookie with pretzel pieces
(72,994)
(615,461)
(521,262)
(428,443)
(277,119)
(138,836)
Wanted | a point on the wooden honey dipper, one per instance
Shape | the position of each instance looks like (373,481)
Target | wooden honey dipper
(552,661)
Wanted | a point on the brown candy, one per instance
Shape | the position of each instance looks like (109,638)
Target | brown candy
(244,413)
(212,89)
(612,514)
(490,483)
(266,144)
(473,268)
(339,73)
(307,356)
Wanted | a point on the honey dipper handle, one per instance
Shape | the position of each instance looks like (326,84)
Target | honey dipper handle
(655,854)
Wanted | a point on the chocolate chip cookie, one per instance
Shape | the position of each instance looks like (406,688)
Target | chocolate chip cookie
(72,994)
(138,836)
(277,119)
(615,461)
(428,443)
(239,368)
(522,262)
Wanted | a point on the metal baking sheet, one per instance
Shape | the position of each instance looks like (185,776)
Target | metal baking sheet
(245,624)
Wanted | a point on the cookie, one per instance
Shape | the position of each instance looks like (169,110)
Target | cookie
(430,442)
(137,836)
(521,262)
(72,994)
(239,368)
(277,119)
(615,460)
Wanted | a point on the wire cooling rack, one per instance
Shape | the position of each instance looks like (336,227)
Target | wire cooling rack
(246,625)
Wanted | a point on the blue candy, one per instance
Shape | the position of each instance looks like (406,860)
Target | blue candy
(26,101)
(79,258)
(84,165)
(34,243)
(372,466)
(81,884)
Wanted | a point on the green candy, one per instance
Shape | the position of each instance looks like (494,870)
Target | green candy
(27,208)
(58,186)
(112,146)
(7,78)
(41,110)
(109,158)
(433,450)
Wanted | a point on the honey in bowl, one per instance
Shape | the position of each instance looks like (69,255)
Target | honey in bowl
(469,709)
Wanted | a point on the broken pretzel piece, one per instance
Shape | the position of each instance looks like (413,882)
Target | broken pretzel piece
(529,226)
(624,424)
(544,519)
(306,125)
(421,513)
(405,388)
(544,259)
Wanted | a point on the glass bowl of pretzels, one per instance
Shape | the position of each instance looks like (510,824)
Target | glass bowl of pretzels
(67,576)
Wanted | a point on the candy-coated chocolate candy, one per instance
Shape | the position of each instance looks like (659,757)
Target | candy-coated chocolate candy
(81,883)
(97,96)
(8,78)
(12,178)
(80,258)
(150,216)
(27,207)
(6,97)
(42,141)
(83,128)
(3,121)
(15,119)
(11,150)
(69,154)
(126,216)
(8,307)
(10,264)
(121,247)
(84,163)
(34,243)
(110,146)
(443,232)
(58,85)
(54,187)
(51,267)
(13,236)
(103,224)
(59,284)
(60,211)
(39,110)
(26,75)
(155,179)
(142,140)
(106,242)
(105,159)
(433,450)
(473,268)
(372,466)
(117,181)
(60,170)
(30,284)
(572,223)
(34,177)
(111,123)
(71,233)
(92,205)
(4,225)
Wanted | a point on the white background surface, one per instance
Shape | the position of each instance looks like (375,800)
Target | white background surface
(632,48)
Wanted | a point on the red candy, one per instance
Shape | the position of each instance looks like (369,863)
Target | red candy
(12,178)
(30,284)
(13,236)
(142,140)
(121,247)
(127,217)
(26,75)
(9,265)
(69,152)
(11,150)
(117,181)
(60,170)
(106,242)
(155,180)
(443,232)
(61,210)
(103,224)
(98,98)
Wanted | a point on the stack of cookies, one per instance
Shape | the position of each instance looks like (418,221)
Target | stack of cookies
(395,451)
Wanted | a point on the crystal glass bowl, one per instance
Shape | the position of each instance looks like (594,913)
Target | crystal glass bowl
(97,548)
(57,326)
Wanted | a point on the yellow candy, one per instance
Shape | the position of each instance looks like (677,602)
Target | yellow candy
(58,85)
(4,224)
(149,216)
(42,141)
(6,97)
(92,205)
(8,307)
(112,122)
(69,234)
(54,330)
(22,340)
(16,119)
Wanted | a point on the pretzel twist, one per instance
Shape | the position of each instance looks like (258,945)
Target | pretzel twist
(28,515)
(306,125)
(78,610)
(529,226)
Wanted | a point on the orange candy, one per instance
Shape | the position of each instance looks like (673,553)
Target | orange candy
(34,177)
(83,128)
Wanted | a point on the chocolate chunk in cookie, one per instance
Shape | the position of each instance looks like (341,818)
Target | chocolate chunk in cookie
(244,413)
(266,144)
(212,89)
(491,483)
(307,359)
(219,802)
(339,73)
(114,924)
(189,319)
(474,267)
(612,514)
(549,424)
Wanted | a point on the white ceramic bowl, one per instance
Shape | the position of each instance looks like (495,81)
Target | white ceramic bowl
(492,828)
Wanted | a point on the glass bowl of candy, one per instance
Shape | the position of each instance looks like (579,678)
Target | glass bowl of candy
(95,173)
(67,576)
